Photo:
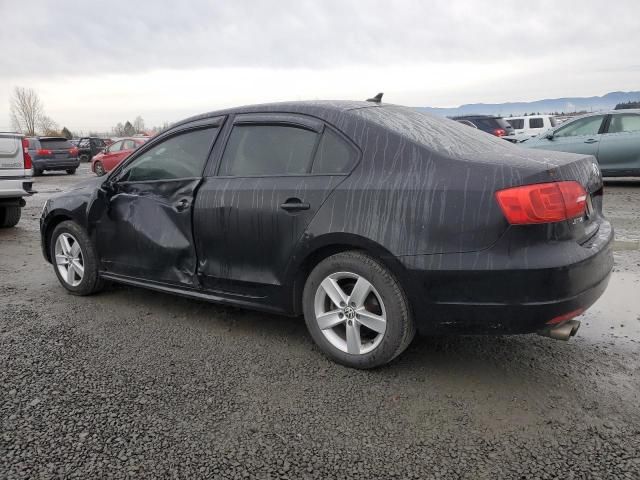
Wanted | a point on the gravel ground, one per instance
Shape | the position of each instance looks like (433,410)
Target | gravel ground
(133,383)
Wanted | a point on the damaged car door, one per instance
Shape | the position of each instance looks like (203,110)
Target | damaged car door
(143,213)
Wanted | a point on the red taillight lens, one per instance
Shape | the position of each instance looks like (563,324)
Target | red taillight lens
(499,132)
(44,151)
(26,158)
(73,152)
(542,202)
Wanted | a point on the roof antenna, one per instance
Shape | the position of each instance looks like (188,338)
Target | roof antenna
(376,99)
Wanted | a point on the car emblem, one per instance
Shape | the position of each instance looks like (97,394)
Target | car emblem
(350,313)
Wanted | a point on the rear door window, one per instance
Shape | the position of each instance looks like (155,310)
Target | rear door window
(624,123)
(256,150)
(536,123)
(517,123)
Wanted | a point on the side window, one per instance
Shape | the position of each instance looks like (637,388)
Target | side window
(179,156)
(116,147)
(268,150)
(536,123)
(583,126)
(517,123)
(128,145)
(334,154)
(624,123)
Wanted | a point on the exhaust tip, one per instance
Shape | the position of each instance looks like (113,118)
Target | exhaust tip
(564,331)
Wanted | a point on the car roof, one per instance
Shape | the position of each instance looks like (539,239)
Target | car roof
(323,109)
(469,117)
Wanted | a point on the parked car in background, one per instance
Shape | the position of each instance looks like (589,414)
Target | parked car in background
(488,123)
(372,220)
(89,147)
(531,125)
(612,137)
(15,177)
(53,153)
(112,155)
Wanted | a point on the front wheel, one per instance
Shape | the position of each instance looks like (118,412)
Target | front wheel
(84,157)
(356,310)
(99,169)
(74,259)
(71,171)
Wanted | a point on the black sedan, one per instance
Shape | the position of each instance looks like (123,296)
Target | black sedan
(371,220)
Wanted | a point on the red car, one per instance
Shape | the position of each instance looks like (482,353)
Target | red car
(108,159)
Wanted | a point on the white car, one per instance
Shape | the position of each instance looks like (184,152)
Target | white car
(15,177)
(531,125)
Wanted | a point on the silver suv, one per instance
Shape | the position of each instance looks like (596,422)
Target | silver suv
(15,177)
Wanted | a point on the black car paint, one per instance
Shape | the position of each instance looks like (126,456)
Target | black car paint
(421,199)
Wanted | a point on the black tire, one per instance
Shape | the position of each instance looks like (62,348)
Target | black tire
(10,216)
(85,158)
(400,328)
(91,281)
(99,168)
(37,172)
(71,171)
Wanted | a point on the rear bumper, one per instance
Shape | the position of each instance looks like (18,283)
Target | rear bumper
(506,290)
(16,188)
(56,164)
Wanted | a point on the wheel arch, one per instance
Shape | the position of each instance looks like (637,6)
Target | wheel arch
(330,244)
(54,219)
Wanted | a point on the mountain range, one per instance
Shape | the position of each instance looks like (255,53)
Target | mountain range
(550,105)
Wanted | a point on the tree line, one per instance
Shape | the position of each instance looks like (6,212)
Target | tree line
(29,118)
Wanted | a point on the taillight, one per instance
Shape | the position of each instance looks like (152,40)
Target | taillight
(44,151)
(26,158)
(566,316)
(542,202)
(73,152)
(499,132)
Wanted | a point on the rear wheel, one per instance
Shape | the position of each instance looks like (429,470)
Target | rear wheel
(99,169)
(37,172)
(356,311)
(84,157)
(71,171)
(74,259)
(10,216)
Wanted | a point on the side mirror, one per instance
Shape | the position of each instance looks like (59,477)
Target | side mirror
(549,136)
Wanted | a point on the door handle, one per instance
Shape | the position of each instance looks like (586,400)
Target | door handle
(294,205)
(591,140)
(182,205)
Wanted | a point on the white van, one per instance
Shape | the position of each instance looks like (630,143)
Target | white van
(531,125)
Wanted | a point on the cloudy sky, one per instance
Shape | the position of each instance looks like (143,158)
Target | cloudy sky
(99,62)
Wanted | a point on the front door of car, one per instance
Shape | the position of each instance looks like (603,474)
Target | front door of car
(274,175)
(619,150)
(110,155)
(142,218)
(580,136)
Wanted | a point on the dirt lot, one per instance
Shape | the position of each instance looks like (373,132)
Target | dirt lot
(132,383)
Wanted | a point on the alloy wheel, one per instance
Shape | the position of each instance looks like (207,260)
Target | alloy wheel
(69,259)
(99,169)
(350,313)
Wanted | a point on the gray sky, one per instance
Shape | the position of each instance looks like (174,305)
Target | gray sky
(95,63)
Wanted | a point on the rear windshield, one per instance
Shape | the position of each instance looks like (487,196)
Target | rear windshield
(55,143)
(436,133)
